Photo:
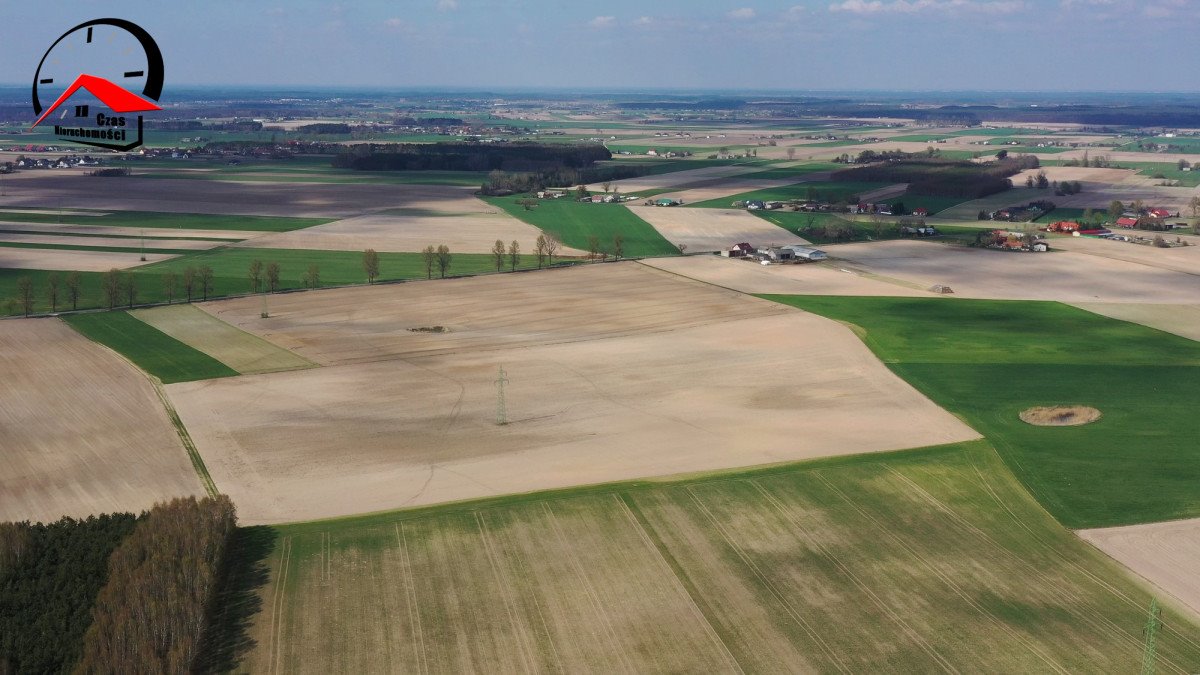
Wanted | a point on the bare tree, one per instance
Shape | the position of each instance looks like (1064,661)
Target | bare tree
(110,283)
(607,185)
(1194,205)
(371,265)
(312,276)
(53,288)
(255,274)
(189,281)
(514,255)
(681,247)
(443,259)
(206,280)
(74,284)
(791,153)
(129,286)
(170,281)
(618,245)
(498,251)
(25,294)
(430,256)
(553,243)
(539,250)
(593,246)
(272,276)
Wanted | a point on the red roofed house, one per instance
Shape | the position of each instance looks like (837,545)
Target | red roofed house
(1158,213)
(1064,226)
(738,251)
(1127,222)
(920,211)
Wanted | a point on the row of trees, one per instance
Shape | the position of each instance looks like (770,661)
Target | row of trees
(544,249)
(471,156)
(49,577)
(151,615)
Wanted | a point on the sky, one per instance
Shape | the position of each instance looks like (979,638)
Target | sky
(793,45)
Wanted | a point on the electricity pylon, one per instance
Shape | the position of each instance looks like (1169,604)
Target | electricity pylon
(501,409)
(1152,625)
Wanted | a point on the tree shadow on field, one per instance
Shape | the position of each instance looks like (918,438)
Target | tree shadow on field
(227,633)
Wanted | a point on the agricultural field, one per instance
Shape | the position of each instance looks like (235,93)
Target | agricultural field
(989,360)
(83,431)
(747,276)
(575,222)
(239,350)
(1181,320)
(712,229)
(408,391)
(1163,553)
(859,229)
(933,559)
(150,349)
(825,191)
(133,222)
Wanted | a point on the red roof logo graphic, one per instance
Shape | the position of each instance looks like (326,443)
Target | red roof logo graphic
(119,100)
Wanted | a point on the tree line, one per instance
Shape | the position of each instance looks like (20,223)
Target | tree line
(152,614)
(943,178)
(470,157)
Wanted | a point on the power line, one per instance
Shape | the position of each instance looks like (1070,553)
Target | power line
(501,408)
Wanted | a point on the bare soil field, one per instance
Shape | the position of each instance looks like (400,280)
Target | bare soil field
(1062,276)
(1182,320)
(235,348)
(713,229)
(637,382)
(83,261)
(667,180)
(149,244)
(464,223)
(82,430)
(216,197)
(735,186)
(808,279)
(1060,415)
(884,193)
(112,231)
(1079,173)
(1184,259)
(1166,554)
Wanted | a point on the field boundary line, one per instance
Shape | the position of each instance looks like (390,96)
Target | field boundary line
(518,631)
(1109,588)
(186,438)
(946,579)
(652,542)
(410,590)
(1134,641)
(277,605)
(588,588)
(830,555)
(754,569)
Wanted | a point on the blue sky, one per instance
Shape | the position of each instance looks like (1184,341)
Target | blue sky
(1053,45)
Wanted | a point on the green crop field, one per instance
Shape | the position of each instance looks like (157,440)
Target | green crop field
(459,178)
(152,350)
(1183,144)
(989,360)
(230,273)
(575,222)
(927,560)
(110,249)
(159,220)
(826,191)
(864,230)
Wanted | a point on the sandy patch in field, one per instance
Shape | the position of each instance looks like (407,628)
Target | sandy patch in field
(883,194)
(82,430)
(182,195)
(1166,554)
(1181,320)
(1062,276)
(235,348)
(713,229)
(115,242)
(667,180)
(618,385)
(83,261)
(1073,173)
(1060,416)
(825,278)
(465,224)
(227,235)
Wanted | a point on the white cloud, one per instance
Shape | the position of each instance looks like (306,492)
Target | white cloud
(917,6)
(603,22)
(743,13)
(795,12)
(643,21)
(447,5)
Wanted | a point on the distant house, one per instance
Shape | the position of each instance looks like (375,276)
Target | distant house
(1127,222)
(921,211)
(738,251)
(1158,213)
(668,202)
(1040,247)
(777,254)
(755,205)
(1064,226)
(805,253)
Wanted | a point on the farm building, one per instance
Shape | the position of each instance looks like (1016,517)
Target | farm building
(1064,226)
(1127,222)
(1158,213)
(777,254)
(668,202)
(738,251)
(805,253)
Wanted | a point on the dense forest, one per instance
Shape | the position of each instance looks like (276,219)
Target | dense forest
(151,616)
(520,157)
(114,593)
(501,183)
(943,178)
(49,577)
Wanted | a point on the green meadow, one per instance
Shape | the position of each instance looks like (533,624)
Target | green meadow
(575,223)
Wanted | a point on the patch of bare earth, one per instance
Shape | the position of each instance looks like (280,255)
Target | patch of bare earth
(1060,416)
